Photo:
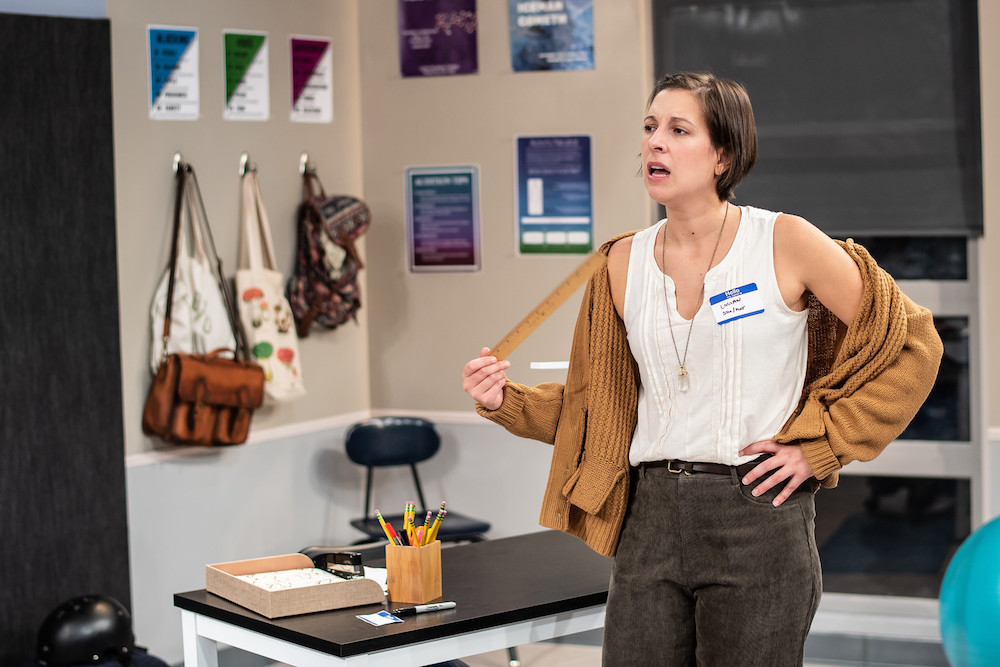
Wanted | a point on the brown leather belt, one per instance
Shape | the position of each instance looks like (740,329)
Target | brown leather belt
(690,467)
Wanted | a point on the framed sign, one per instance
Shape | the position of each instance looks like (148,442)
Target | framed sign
(554,195)
(442,218)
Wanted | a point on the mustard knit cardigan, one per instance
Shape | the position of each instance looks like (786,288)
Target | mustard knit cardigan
(864,383)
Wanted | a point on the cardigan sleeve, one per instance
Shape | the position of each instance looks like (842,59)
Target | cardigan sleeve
(883,372)
(528,412)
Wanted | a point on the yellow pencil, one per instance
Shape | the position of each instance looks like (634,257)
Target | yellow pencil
(381,521)
(436,525)
(410,527)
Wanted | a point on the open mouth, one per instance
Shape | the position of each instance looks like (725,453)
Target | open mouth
(657,170)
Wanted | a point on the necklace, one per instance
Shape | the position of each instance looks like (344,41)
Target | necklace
(683,382)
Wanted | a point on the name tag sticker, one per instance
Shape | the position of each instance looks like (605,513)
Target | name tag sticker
(736,303)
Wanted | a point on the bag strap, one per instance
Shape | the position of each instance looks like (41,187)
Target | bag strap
(308,176)
(200,227)
(175,239)
(257,248)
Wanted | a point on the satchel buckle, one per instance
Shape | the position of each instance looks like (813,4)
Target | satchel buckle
(670,468)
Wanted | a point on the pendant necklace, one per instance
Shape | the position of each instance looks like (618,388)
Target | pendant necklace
(683,382)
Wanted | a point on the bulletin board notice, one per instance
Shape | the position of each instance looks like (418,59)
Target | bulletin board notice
(554,195)
(172,53)
(442,218)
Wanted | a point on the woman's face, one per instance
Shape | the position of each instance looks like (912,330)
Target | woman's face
(678,159)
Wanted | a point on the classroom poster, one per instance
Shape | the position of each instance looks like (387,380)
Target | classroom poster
(551,35)
(248,95)
(437,37)
(312,80)
(554,195)
(173,72)
(442,218)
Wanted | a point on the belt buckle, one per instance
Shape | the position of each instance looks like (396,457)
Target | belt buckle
(670,468)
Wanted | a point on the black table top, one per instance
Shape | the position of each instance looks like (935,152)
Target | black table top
(493,583)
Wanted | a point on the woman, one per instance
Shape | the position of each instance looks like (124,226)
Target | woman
(710,392)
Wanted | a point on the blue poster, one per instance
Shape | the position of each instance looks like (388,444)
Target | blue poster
(173,72)
(551,35)
(442,218)
(554,195)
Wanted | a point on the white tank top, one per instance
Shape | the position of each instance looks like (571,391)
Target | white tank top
(746,374)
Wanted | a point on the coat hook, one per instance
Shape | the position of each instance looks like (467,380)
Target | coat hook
(243,163)
(303,162)
(178,159)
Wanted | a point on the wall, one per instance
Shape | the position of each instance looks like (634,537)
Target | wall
(989,63)
(424,327)
(334,363)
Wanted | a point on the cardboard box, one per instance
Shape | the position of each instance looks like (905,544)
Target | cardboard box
(221,579)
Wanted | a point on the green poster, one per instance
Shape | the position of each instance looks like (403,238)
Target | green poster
(247,90)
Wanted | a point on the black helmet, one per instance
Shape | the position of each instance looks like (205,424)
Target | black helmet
(86,630)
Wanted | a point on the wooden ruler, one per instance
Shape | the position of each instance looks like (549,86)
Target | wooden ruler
(548,306)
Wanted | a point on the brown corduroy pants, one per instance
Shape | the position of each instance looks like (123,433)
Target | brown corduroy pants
(708,575)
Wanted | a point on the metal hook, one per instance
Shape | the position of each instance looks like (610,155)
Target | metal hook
(178,160)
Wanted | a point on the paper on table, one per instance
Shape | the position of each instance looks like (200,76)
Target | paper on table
(285,579)
(380,575)
(301,578)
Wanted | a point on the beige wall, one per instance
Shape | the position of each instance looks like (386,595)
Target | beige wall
(989,62)
(424,327)
(335,363)
(416,330)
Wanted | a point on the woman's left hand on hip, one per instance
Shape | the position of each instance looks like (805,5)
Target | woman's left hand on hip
(788,463)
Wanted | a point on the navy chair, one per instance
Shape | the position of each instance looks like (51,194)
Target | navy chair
(403,441)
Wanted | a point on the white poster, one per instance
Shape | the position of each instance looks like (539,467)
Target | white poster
(173,72)
(312,80)
(248,95)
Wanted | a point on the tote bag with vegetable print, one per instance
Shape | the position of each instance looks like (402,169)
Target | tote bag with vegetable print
(264,310)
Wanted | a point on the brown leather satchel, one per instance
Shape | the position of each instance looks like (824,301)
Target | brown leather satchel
(202,399)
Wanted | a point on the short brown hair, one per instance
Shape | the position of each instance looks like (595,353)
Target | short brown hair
(729,117)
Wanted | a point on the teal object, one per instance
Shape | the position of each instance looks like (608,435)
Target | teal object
(970,600)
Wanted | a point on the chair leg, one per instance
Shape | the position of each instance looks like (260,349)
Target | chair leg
(420,490)
(368,493)
(512,657)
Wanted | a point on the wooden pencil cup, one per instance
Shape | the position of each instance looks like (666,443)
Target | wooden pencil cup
(413,574)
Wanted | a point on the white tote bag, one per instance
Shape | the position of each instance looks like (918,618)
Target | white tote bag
(260,292)
(199,322)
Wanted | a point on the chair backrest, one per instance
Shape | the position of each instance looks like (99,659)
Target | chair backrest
(392,441)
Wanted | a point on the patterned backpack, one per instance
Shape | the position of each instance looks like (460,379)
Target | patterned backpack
(324,287)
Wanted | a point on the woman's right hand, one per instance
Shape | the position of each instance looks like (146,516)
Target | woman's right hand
(483,379)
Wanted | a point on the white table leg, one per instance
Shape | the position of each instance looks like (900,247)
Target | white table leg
(198,651)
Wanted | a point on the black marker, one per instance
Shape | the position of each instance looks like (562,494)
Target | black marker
(422,609)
